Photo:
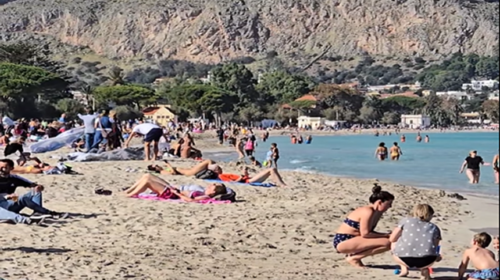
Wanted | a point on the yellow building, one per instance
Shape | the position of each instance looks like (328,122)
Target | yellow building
(159,114)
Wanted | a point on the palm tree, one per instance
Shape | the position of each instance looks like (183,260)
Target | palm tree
(88,90)
(116,76)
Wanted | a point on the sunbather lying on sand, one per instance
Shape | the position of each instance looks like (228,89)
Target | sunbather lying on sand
(170,170)
(163,189)
(40,168)
(208,164)
(260,177)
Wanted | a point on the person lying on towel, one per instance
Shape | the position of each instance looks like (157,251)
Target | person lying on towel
(208,170)
(164,190)
(260,177)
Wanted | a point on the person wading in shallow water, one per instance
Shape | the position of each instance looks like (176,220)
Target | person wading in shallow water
(473,163)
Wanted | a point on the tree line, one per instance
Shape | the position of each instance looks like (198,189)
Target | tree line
(32,85)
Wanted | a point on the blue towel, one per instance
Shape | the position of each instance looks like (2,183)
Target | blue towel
(264,185)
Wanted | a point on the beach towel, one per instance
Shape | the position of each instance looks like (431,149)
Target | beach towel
(264,185)
(155,197)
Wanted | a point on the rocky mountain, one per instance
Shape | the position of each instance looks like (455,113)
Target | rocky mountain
(211,31)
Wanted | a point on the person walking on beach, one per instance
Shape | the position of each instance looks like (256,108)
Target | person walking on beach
(396,151)
(89,129)
(496,167)
(473,163)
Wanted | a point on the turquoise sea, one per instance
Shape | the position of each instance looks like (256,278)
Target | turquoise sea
(431,165)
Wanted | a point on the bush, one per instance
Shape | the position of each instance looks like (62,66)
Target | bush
(76,60)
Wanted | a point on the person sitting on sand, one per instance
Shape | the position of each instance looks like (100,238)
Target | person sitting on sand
(381,151)
(415,241)
(5,139)
(483,259)
(356,236)
(163,189)
(395,152)
(254,162)
(260,177)
(14,203)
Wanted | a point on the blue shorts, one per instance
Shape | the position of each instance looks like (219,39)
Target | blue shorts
(153,135)
(492,274)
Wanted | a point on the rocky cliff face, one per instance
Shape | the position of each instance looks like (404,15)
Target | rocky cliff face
(213,31)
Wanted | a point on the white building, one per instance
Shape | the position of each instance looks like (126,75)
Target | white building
(415,121)
(460,95)
(478,85)
(493,96)
(313,122)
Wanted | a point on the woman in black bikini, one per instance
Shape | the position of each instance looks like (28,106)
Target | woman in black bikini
(356,236)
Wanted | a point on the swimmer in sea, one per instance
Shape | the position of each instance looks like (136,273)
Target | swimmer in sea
(403,138)
(293,138)
(300,139)
(396,151)
(381,151)
(308,139)
(419,138)
(426,140)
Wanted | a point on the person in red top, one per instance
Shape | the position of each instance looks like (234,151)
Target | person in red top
(260,177)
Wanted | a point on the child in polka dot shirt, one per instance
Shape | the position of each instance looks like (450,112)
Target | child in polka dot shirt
(415,241)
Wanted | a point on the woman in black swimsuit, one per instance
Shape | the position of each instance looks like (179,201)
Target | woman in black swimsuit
(356,236)
(473,163)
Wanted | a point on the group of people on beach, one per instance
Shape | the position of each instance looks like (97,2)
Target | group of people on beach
(414,243)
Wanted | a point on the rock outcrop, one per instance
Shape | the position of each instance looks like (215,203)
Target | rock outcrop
(213,31)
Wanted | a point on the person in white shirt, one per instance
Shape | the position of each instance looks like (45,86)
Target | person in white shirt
(152,133)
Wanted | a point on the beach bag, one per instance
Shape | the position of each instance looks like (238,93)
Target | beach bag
(206,174)
(226,197)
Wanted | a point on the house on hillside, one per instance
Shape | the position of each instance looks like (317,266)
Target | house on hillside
(310,100)
(159,114)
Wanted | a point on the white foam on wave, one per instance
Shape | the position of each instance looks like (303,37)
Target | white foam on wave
(298,161)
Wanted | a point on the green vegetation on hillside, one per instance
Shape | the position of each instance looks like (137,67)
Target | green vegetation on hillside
(233,94)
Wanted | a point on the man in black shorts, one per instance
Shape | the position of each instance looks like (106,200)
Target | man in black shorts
(152,134)
(17,146)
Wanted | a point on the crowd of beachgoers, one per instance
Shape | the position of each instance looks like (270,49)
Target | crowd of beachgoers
(162,218)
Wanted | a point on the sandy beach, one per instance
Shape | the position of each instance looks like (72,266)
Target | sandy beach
(270,233)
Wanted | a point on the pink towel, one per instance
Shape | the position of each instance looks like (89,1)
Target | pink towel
(155,197)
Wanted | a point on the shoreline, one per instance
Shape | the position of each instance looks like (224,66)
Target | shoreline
(345,132)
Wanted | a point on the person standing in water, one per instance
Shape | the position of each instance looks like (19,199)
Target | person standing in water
(426,140)
(395,151)
(381,151)
(419,137)
(496,167)
(403,138)
(472,163)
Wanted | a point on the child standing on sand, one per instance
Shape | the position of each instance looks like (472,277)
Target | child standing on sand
(482,259)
